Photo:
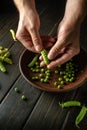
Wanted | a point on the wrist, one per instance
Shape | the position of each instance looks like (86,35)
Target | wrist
(25,5)
(75,11)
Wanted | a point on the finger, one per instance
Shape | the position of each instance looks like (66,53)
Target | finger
(41,58)
(56,49)
(36,39)
(64,58)
(24,37)
(42,64)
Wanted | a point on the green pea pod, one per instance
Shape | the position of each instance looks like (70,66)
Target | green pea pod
(8,60)
(31,64)
(70,104)
(2,67)
(7,54)
(2,52)
(1,58)
(44,55)
(13,34)
(1,47)
(80,116)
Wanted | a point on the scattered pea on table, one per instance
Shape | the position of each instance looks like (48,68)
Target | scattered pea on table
(23,97)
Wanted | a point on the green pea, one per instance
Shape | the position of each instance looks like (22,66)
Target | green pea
(37,70)
(56,71)
(44,55)
(41,75)
(36,63)
(70,104)
(42,70)
(71,79)
(33,70)
(59,86)
(47,74)
(47,77)
(60,79)
(62,82)
(48,71)
(81,115)
(31,64)
(67,79)
(61,72)
(35,78)
(55,83)
(42,80)
(16,90)
(45,80)
(37,67)
(23,97)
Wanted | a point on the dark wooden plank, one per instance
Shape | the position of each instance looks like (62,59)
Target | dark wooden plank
(7,79)
(47,114)
(5,35)
(41,5)
(13,110)
(51,15)
(73,112)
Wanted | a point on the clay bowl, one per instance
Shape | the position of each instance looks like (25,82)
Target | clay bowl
(81,78)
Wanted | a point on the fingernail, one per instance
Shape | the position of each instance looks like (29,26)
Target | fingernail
(50,56)
(38,48)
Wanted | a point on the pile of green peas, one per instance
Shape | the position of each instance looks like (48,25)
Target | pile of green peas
(41,74)
(4,58)
(64,74)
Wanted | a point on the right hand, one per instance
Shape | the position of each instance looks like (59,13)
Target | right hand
(28,30)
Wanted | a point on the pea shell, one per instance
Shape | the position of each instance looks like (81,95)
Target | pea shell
(81,115)
(70,104)
(44,55)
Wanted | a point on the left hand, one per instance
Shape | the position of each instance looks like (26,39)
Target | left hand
(66,46)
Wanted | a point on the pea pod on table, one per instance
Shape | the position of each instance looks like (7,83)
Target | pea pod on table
(81,115)
(70,104)
(13,34)
(4,58)
(2,67)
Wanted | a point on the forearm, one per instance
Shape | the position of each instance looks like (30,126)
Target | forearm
(75,10)
(24,5)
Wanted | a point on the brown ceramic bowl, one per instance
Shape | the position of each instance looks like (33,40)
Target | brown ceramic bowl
(81,78)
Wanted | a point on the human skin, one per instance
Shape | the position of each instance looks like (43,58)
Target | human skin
(68,35)
(28,26)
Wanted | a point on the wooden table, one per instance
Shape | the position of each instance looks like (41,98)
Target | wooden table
(41,110)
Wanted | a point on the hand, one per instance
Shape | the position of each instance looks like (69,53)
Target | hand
(66,46)
(68,36)
(28,26)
